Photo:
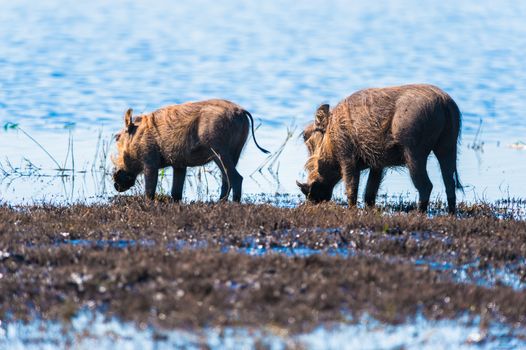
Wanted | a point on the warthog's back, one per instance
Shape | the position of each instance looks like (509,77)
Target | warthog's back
(188,132)
(375,120)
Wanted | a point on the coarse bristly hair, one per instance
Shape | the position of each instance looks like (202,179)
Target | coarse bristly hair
(170,130)
(361,123)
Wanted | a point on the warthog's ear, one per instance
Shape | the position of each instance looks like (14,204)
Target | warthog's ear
(303,187)
(128,118)
(322,117)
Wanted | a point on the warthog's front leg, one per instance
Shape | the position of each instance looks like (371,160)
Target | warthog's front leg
(151,174)
(351,177)
(178,183)
(373,184)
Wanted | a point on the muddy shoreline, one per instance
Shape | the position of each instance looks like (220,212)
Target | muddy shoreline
(189,266)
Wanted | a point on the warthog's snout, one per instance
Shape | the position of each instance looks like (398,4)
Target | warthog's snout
(315,192)
(123,180)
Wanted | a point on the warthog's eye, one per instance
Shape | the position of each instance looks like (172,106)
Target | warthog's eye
(117,136)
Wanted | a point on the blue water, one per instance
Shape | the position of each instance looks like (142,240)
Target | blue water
(85,62)
(76,66)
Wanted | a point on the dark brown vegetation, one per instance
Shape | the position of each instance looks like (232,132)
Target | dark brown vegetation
(187,265)
(378,128)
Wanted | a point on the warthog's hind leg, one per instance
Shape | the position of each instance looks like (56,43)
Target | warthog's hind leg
(373,184)
(231,179)
(417,169)
(237,183)
(178,183)
(447,160)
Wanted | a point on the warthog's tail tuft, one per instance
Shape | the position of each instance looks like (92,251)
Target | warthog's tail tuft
(458,185)
(253,134)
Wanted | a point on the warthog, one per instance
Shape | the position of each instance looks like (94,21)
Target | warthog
(378,128)
(181,136)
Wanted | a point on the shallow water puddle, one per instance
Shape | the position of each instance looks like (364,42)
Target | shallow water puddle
(472,272)
(129,243)
(487,276)
(93,330)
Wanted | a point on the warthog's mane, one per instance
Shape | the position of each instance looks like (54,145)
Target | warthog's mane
(363,121)
(320,148)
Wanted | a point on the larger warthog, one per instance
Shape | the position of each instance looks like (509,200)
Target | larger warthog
(181,136)
(378,128)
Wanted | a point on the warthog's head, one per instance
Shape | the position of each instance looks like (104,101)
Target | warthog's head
(127,166)
(323,171)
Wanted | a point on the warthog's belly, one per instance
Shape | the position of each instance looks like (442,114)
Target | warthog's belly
(195,157)
(394,156)
(199,156)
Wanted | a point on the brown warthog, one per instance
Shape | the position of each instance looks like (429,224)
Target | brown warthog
(181,136)
(379,128)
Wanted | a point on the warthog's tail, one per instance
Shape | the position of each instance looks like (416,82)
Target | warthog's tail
(458,185)
(456,118)
(253,133)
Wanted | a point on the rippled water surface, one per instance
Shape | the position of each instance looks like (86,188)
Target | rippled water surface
(76,66)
